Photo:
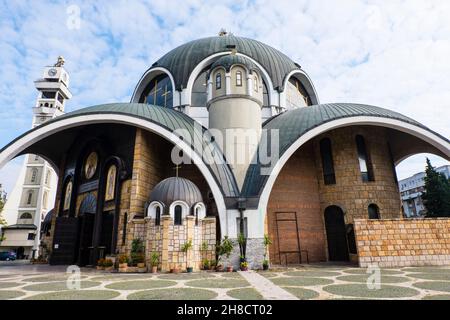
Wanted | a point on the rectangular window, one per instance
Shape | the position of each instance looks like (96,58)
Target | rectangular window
(31,236)
(218,81)
(327,161)
(364,161)
(48,95)
(239,79)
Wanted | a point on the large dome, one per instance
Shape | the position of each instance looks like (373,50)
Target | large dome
(182,60)
(174,189)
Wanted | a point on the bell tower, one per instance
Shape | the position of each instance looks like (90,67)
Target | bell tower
(34,193)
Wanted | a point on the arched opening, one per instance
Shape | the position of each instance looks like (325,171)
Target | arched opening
(373,211)
(158,92)
(86,216)
(178,215)
(26,215)
(158,216)
(336,234)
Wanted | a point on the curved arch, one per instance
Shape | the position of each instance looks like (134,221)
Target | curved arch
(200,209)
(305,80)
(186,93)
(41,132)
(184,206)
(151,211)
(439,143)
(145,80)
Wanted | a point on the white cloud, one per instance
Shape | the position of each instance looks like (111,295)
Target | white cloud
(392,54)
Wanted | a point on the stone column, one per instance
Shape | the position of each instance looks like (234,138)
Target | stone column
(166,222)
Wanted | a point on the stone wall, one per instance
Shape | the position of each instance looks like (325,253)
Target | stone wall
(350,193)
(403,242)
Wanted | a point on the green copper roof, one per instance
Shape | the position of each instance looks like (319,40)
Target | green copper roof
(171,120)
(295,123)
(182,60)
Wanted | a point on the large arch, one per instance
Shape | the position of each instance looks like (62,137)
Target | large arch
(305,81)
(18,146)
(440,146)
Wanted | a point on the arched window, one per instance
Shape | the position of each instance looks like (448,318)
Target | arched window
(197,210)
(255,83)
(159,92)
(178,215)
(374,211)
(29,197)
(238,79)
(33,175)
(327,161)
(48,176)
(26,215)
(218,80)
(364,161)
(157,216)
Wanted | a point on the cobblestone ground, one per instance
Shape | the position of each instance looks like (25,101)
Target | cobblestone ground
(307,282)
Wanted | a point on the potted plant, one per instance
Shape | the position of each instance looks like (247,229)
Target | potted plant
(154,261)
(101,264)
(138,254)
(224,248)
(212,265)
(206,264)
(244,266)
(267,242)
(123,263)
(140,262)
(109,265)
(185,248)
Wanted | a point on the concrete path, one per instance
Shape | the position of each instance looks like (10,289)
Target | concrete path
(265,287)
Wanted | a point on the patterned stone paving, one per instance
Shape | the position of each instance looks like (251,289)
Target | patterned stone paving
(307,282)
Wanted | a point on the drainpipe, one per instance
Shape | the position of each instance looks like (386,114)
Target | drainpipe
(241,208)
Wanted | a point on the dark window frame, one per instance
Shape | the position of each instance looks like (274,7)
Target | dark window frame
(326,154)
(218,80)
(364,159)
(157,216)
(178,215)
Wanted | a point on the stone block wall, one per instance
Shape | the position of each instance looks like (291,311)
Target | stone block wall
(403,242)
(350,193)
(167,239)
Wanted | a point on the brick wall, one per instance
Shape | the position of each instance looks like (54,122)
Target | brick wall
(403,242)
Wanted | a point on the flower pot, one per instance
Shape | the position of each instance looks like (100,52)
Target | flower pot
(100,268)
(109,269)
(265,267)
(141,265)
(154,269)
(244,268)
(123,265)
(230,269)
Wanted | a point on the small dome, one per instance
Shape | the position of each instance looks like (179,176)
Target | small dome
(230,60)
(174,189)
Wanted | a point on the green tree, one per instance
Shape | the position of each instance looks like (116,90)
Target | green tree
(436,196)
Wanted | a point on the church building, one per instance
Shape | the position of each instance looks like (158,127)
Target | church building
(223,136)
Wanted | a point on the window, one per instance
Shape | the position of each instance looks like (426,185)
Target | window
(327,161)
(364,162)
(255,83)
(29,197)
(218,81)
(158,216)
(48,176)
(124,228)
(238,79)
(159,92)
(48,94)
(31,236)
(33,175)
(26,215)
(374,212)
(197,210)
(178,215)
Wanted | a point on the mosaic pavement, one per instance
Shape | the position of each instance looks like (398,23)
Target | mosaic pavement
(308,282)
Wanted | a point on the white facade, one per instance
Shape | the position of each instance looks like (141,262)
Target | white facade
(411,190)
(34,193)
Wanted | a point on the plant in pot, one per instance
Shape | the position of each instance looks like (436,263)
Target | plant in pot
(185,248)
(123,263)
(224,248)
(154,261)
(138,254)
(206,264)
(267,242)
(101,264)
(212,265)
(109,265)
(244,266)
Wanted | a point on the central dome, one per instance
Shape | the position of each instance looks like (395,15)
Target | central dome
(182,60)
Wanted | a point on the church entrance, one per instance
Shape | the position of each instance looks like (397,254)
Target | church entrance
(106,236)
(336,234)
(86,231)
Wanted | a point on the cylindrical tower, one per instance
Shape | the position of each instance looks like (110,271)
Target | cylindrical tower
(235,96)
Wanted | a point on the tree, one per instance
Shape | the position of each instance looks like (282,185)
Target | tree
(436,196)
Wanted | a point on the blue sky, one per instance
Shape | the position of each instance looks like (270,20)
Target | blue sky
(393,54)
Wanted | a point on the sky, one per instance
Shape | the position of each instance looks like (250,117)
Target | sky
(393,54)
